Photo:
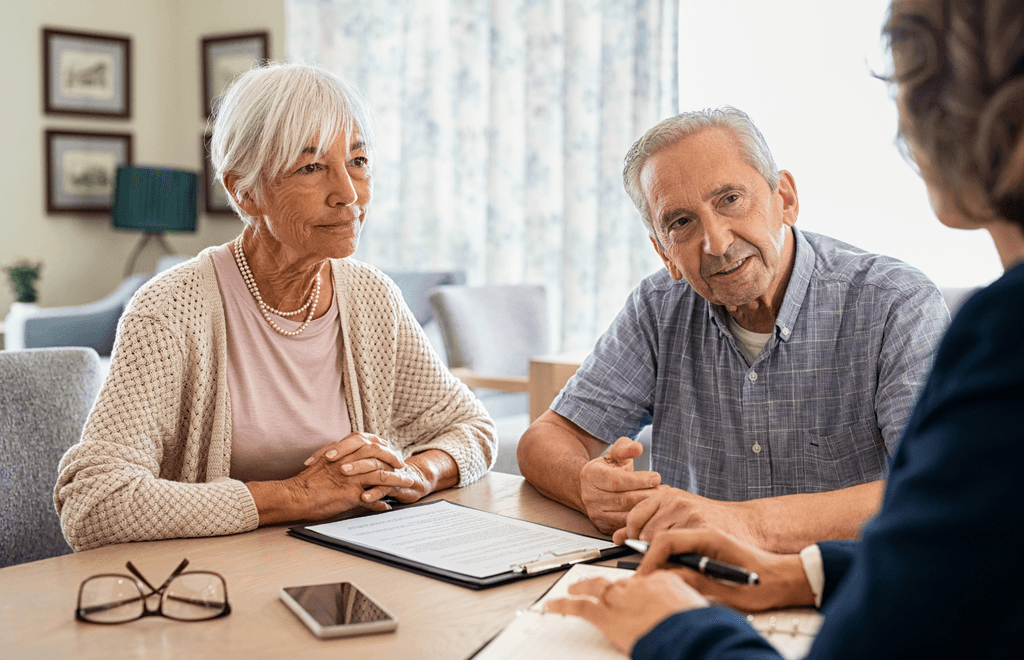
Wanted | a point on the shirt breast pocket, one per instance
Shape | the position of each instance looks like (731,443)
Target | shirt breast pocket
(849,457)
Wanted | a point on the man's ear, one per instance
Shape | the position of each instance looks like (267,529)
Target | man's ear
(790,202)
(674,272)
(245,202)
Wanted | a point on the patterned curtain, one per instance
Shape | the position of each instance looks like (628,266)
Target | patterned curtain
(501,128)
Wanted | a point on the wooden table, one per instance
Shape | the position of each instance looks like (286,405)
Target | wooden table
(435,619)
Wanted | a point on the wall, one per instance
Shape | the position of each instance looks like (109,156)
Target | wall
(83,256)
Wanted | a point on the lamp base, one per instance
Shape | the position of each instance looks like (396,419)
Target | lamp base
(146,238)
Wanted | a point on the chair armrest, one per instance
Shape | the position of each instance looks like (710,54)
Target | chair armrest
(474,380)
(93,324)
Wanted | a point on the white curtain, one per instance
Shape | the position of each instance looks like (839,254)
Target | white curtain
(501,128)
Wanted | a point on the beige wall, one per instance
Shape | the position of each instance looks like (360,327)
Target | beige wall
(83,256)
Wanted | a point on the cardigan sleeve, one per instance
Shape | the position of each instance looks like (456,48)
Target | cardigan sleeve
(139,471)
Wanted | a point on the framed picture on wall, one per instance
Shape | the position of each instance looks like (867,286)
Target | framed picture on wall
(213,190)
(226,56)
(87,74)
(81,168)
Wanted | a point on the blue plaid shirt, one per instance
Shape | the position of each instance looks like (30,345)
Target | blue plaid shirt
(822,406)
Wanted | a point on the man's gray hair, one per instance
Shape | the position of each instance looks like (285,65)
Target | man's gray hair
(668,132)
(271,113)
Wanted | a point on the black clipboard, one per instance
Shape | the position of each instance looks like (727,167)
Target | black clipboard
(529,568)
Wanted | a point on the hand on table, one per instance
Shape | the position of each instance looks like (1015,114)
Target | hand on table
(427,471)
(626,610)
(669,508)
(610,488)
(783,582)
(358,470)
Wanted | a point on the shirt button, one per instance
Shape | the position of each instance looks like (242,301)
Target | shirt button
(785,332)
(752,376)
(756,448)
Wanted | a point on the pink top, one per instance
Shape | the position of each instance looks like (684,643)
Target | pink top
(287,395)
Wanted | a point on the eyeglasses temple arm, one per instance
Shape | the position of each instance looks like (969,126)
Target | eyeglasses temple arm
(174,574)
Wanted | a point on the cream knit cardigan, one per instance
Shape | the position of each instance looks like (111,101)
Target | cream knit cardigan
(155,455)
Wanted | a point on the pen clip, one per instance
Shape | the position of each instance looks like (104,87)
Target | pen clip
(638,546)
(548,560)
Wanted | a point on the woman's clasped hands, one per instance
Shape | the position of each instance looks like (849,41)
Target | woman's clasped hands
(357,471)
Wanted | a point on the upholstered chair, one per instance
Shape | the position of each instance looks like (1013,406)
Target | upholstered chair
(45,397)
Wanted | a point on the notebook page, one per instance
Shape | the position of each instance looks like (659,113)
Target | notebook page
(533,634)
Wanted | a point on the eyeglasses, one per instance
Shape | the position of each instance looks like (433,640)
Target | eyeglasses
(115,598)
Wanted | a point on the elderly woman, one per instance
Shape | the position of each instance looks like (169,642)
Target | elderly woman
(273,378)
(937,572)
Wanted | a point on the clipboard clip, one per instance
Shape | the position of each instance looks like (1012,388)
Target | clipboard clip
(548,560)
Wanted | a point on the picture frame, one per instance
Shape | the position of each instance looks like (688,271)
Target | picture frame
(226,56)
(215,197)
(87,74)
(81,167)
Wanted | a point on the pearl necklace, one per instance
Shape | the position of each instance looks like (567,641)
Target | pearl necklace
(267,310)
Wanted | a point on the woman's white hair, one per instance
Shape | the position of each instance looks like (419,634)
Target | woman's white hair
(753,149)
(271,113)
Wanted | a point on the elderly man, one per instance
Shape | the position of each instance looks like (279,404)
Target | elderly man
(778,367)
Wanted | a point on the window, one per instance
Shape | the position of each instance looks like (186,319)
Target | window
(802,70)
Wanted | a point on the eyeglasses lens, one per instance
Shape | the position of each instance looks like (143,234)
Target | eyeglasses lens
(195,596)
(110,599)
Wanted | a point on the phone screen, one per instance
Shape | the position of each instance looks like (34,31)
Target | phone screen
(337,604)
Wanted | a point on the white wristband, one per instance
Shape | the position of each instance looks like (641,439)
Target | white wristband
(814,569)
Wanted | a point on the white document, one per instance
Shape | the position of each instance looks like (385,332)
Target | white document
(534,634)
(457,538)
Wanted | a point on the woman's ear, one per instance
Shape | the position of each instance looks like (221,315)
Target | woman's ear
(245,202)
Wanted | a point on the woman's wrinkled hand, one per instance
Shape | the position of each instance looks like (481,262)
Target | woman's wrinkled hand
(357,471)
(359,453)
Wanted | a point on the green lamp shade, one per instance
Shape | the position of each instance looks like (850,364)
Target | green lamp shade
(155,199)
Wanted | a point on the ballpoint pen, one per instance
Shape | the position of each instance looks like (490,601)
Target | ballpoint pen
(706,565)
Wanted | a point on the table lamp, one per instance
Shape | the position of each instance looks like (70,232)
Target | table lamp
(154,200)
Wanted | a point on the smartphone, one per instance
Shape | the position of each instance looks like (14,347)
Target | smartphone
(339,609)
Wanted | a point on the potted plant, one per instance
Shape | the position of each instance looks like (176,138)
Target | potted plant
(23,275)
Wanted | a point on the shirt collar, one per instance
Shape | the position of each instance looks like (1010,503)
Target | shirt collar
(796,291)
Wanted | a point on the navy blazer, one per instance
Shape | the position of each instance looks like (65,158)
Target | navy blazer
(939,572)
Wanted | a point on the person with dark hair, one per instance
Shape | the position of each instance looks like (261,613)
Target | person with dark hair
(776,367)
(936,573)
(272,378)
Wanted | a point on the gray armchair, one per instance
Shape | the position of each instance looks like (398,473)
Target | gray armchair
(92,325)
(955,297)
(45,396)
(415,287)
(490,333)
